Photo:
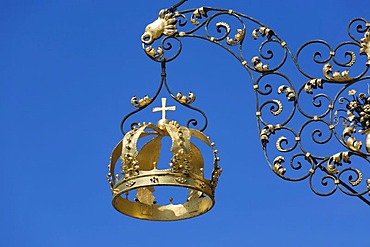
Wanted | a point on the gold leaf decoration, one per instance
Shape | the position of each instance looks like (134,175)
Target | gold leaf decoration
(330,168)
(351,141)
(238,38)
(290,94)
(141,102)
(338,159)
(336,76)
(198,13)
(279,109)
(264,31)
(150,51)
(353,59)
(258,65)
(313,84)
(183,99)
(365,46)
(266,132)
(358,180)
(277,166)
(223,25)
(279,141)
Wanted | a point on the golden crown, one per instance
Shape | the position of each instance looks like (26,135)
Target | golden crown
(139,171)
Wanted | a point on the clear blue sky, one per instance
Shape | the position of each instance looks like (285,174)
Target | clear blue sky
(67,72)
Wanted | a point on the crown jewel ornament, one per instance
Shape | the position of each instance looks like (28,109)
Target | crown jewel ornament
(138,172)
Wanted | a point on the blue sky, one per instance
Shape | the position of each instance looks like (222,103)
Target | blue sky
(68,70)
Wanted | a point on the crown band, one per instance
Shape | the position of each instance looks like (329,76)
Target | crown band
(200,203)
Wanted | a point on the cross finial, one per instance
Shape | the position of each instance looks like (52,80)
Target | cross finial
(164,108)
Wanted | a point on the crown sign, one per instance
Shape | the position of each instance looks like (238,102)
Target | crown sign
(137,172)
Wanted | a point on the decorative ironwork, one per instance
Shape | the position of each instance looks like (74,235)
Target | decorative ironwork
(329,120)
(138,171)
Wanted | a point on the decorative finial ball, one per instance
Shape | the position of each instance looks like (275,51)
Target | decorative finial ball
(161,123)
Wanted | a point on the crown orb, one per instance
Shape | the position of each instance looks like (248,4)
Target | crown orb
(162,123)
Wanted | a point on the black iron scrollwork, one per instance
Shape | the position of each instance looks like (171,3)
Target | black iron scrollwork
(316,122)
(184,100)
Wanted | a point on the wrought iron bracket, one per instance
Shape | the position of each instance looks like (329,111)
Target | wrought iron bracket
(297,116)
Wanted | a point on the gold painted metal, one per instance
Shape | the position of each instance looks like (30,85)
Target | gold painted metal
(277,167)
(258,65)
(141,102)
(139,172)
(264,31)
(238,38)
(314,83)
(164,25)
(336,76)
(183,99)
(290,94)
(197,13)
(365,46)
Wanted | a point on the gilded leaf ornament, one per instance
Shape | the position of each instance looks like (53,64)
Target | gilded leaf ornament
(258,65)
(264,31)
(238,38)
(197,14)
(337,75)
(290,94)
(278,167)
(313,84)
(141,102)
(183,99)
(365,46)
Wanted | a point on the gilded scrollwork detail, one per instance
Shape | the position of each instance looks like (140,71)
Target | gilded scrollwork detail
(313,84)
(278,167)
(258,64)
(238,38)
(279,109)
(265,134)
(154,53)
(183,99)
(142,102)
(198,14)
(337,160)
(337,75)
(289,92)
(351,141)
(365,46)
(263,31)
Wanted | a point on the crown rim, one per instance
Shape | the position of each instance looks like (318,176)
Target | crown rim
(195,206)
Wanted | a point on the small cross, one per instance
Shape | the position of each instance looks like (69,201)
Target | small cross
(164,108)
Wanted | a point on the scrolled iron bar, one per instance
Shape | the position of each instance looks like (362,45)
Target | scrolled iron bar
(163,82)
(196,23)
(191,121)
